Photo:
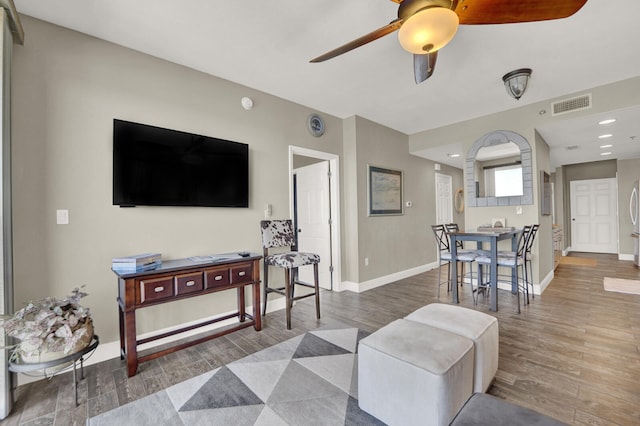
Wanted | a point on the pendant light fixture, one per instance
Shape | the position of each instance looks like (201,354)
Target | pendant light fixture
(516,82)
(428,30)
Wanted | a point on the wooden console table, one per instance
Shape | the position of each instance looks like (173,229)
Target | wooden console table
(180,279)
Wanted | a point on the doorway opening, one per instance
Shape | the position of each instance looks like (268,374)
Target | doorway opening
(314,202)
(444,199)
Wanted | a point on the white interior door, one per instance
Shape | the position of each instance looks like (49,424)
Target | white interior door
(314,214)
(444,199)
(594,215)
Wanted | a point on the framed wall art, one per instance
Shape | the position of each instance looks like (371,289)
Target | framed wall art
(384,191)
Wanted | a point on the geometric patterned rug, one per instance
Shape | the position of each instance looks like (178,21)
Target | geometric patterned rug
(308,380)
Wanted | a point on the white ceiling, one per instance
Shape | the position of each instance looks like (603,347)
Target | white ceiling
(267,45)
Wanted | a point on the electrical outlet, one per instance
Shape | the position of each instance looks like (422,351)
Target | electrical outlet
(62,217)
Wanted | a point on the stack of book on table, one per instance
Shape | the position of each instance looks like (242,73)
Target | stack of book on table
(136,263)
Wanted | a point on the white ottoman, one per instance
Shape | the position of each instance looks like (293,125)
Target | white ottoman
(413,374)
(477,326)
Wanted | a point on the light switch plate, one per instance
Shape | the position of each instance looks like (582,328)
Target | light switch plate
(62,217)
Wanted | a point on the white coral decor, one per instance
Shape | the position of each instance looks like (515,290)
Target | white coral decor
(50,325)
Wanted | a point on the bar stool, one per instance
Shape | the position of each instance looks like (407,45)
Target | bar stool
(444,257)
(507,260)
(276,234)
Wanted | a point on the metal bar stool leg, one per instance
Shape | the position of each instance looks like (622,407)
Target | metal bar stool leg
(317,286)
(287,293)
(266,283)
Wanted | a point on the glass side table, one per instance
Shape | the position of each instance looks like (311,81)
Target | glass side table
(20,367)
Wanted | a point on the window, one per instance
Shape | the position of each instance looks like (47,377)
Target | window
(503,181)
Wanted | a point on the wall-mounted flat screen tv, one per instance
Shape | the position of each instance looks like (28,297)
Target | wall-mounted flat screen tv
(153,166)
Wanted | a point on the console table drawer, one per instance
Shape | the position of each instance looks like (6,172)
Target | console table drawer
(241,274)
(155,289)
(189,283)
(217,277)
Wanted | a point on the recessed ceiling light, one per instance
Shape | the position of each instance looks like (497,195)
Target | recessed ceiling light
(606,146)
(605,122)
(608,135)
(453,155)
(605,153)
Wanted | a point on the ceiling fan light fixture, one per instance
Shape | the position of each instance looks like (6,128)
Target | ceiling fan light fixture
(428,30)
(516,82)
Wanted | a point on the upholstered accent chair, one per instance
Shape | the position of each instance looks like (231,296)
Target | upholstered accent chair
(278,234)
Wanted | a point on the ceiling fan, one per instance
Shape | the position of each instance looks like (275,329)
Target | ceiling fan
(425,26)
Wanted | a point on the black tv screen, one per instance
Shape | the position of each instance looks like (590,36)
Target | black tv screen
(153,166)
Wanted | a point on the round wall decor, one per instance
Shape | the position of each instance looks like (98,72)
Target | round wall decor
(458,200)
(315,125)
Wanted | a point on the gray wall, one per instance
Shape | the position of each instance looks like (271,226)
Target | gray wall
(68,88)
(394,243)
(524,120)
(628,173)
(543,244)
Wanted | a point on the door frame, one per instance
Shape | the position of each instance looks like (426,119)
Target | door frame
(334,187)
(616,216)
(450,179)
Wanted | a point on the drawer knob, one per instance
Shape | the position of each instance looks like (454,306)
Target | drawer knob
(158,289)
(242,273)
(218,277)
(190,283)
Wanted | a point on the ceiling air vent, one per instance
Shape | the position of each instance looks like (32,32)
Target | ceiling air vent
(570,105)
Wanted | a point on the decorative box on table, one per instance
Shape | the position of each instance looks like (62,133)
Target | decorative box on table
(136,263)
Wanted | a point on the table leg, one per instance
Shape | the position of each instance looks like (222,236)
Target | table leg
(514,271)
(454,269)
(241,304)
(257,319)
(122,334)
(131,349)
(494,274)
(75,382)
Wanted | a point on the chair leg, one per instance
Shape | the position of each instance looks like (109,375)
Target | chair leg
(294,279)
(287,292)
(317,286)
(529,279)
(439,277)
(265,287)
(517,289)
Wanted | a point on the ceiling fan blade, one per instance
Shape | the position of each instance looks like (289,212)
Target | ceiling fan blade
(480,12)
(423,66)
(374,35)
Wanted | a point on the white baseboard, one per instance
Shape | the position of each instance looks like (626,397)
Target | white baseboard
(380,281)
(624,256)
(540,288)
(109,350)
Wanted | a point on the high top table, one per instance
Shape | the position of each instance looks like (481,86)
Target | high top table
(480,238)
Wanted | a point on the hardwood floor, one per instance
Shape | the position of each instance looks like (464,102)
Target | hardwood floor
(573,353)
